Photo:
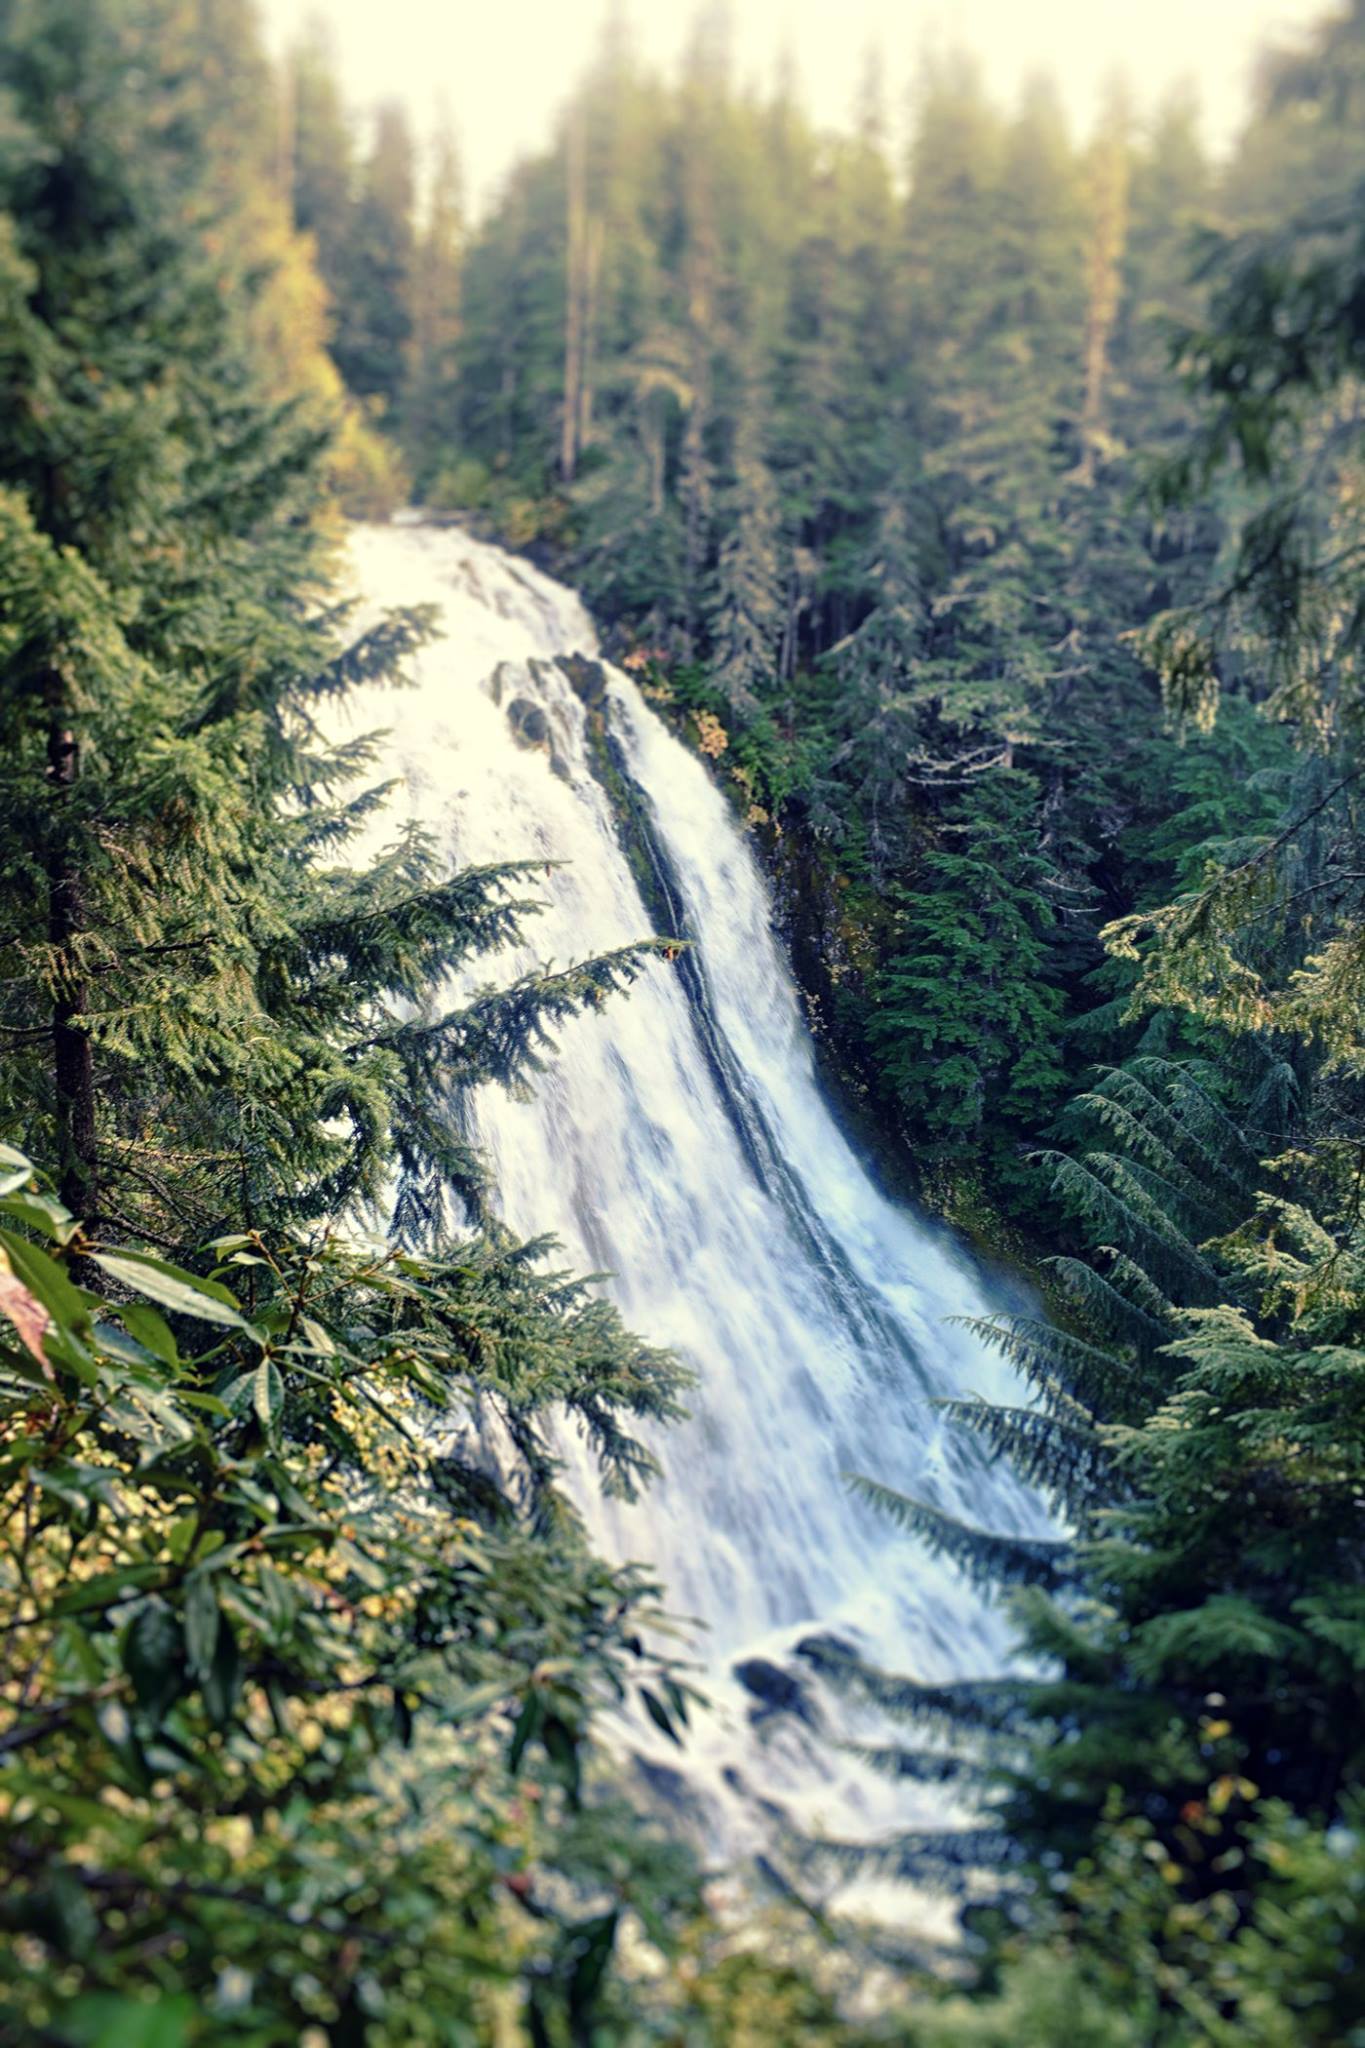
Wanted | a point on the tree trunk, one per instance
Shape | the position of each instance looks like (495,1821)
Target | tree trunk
(597,239)
(1104,279)
(576,258)
(73,1066)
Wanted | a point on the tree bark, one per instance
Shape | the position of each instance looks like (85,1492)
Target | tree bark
(1104,277)
(576,258)
(73,1066)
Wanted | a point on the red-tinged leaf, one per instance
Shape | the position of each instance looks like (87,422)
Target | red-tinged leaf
(27,1314)
(43,1277)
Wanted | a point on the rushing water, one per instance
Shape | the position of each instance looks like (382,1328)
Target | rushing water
(680,1143)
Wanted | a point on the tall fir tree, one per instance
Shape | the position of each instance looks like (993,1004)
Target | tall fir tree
(374,275)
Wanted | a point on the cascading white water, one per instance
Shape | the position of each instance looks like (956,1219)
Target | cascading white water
(680,1143)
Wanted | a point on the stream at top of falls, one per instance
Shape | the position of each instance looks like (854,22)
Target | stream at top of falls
(679,1144)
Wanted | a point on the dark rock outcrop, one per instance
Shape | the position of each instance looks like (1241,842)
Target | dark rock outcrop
(530,726)
(775,1690)
(587,679)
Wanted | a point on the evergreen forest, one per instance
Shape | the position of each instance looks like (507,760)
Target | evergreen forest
(981,506)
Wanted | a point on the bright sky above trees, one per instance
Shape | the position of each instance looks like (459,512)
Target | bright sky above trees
(502,70)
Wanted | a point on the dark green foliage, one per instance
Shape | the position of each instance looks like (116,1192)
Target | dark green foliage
(991,1560)
(966,1018)
(249,1594)
(897,450)
(1199,1634)
(430,382)
(373,291)
(321,160)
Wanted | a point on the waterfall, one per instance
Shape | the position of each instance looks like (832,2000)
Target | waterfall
(679,1143)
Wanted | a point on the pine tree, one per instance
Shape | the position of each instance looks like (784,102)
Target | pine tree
(1276,365)
(746,600)
(321,155)
(705,87)
(431,384)
(1109,179)
(374,277)
(1187,1644)
(511,360)
(965,1019)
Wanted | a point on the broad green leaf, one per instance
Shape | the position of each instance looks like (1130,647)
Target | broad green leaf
(207,1404)
(200,1285)
(589,1945)
(117,1344)
(223,1680)
(42,1213)
(77,1485)
(659,1715)
(561,1746)
(237,1395)
(278,1600)
(69,1911)
(366,1570)
(15,1170)
(107,1587)
(26,1370)
(289,1536)
(42,1275)
(527,1724)
(108,2020)
(153,1417)
(154,1657)
(201,1622)
(67,1349)
(477,1700)
(118,1731)
(267,1393)
(151,1330)
(182,1292)
(79,1647)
